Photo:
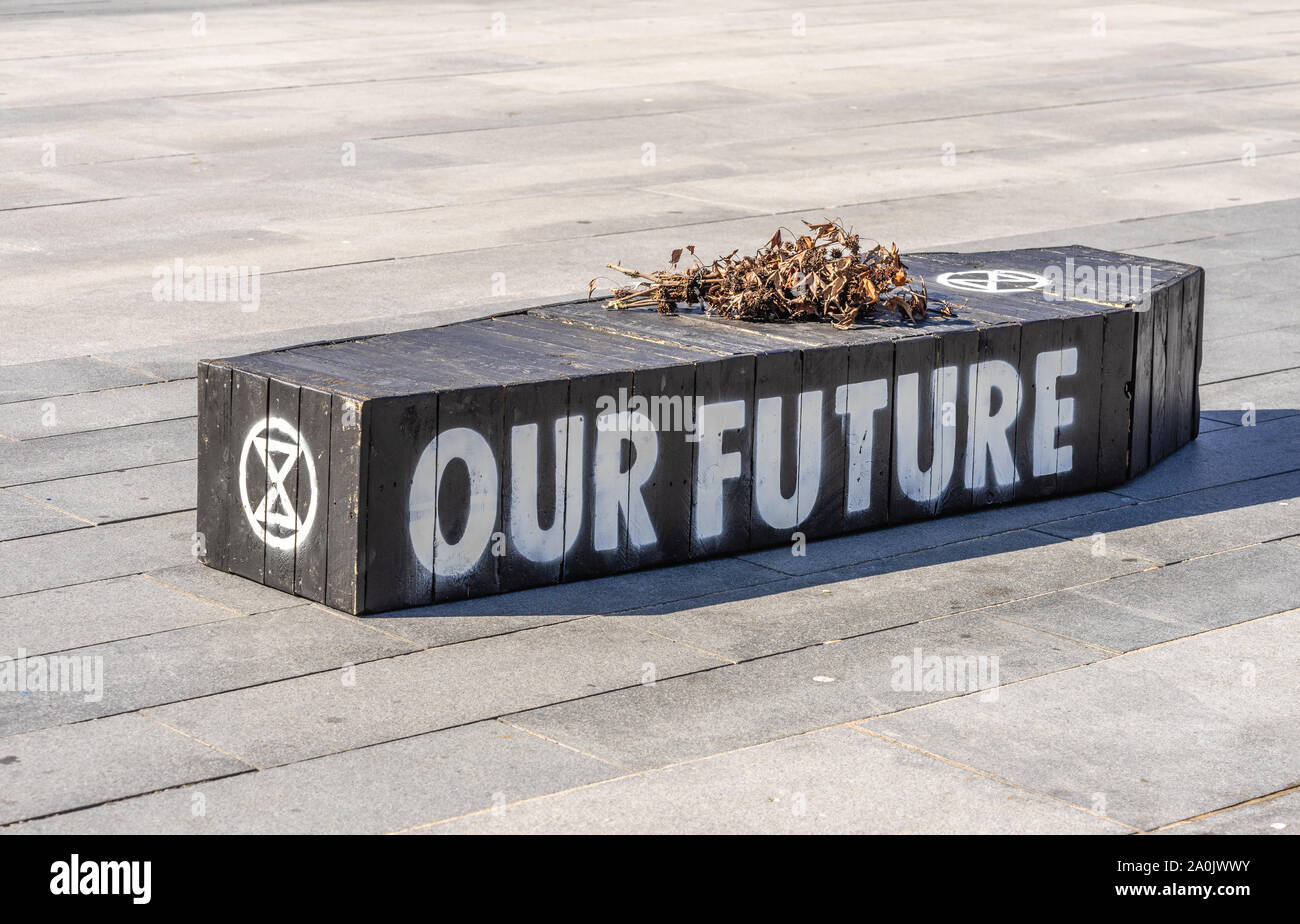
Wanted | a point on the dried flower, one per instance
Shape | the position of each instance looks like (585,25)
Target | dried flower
(823,275)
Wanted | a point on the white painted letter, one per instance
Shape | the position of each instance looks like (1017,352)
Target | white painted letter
(715,466)
(861,400)
(617,490)
(533,542)
(1051,414)
(778,511)
(431,546)
(988,436)
(924,485)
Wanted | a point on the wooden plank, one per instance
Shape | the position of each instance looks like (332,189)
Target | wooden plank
(283,468)
(1189,358)
(673,331)
(398,574)
(375,370)
(825,372)
(214,464)
(468,492)
(1139,457)
(543,449)
(993,417)
(600,545)
(1161,308)
(304,370)
(346,539)
(667,493)
(1037,460)
(598,349)
(958,354)
(1119,334)
(1078,424)
(1175,376)
(313,507)
(723,463)
(248,407)
(780,334)
(866,409)
(777,465)
(687,329)
(918,469)
(1197,283)
(476,356)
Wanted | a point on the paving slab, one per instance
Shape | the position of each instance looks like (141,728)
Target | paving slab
(371,790)
(1232,313)
(130,494)
(1230,289)
(1272,349)
(1227,248)
(1201,522)
(755,701)
(21,516)
(1155,606)
(293,720)
(1122,237)
(60,769)
(1276,815)
(837,781)
(53,378)
(196,661)
(223,589)
(1201,726)
(83,555)
(71,454)
(1268,396)
(746,623)
(1279,215)
(100,611)
(98,410)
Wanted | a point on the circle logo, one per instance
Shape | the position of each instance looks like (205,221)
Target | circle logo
(1001,280)
(283,454)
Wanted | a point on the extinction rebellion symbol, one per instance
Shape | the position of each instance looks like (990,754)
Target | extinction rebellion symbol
(1002,280)
(284,455)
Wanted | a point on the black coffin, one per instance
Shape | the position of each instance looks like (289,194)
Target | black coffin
(569,441)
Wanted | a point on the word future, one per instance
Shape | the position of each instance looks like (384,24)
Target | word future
(617,505)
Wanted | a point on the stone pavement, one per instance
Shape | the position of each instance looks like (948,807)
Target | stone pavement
(394,165)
